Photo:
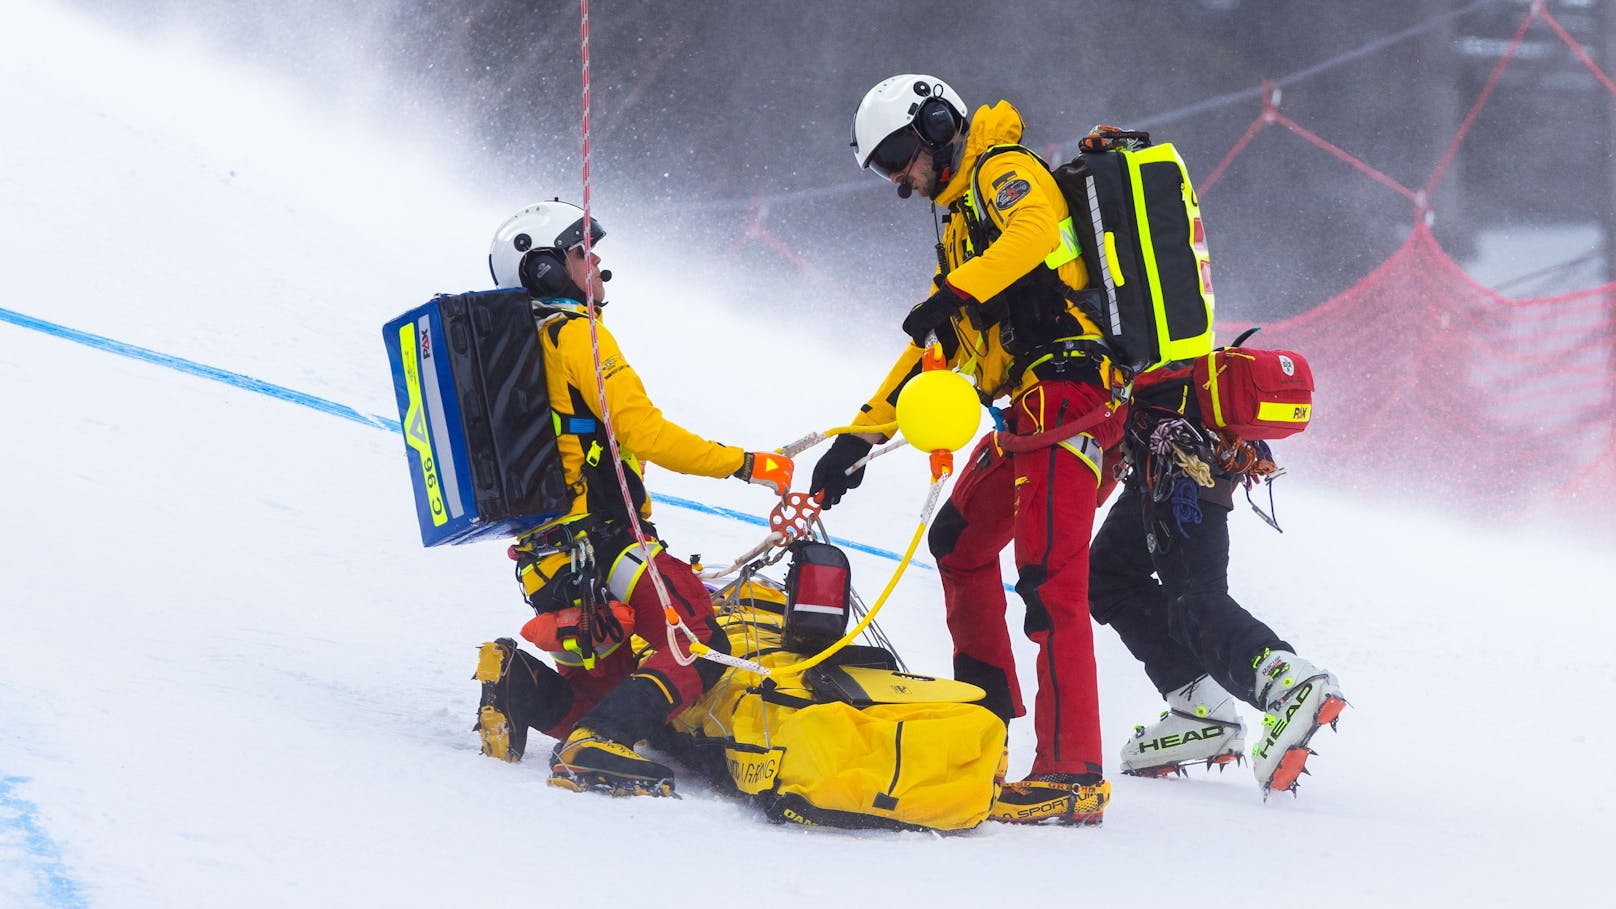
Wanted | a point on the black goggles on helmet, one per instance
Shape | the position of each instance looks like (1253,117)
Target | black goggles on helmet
(573,236)
(894,153)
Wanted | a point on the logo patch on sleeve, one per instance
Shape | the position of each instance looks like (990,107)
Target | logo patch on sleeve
(1011,193)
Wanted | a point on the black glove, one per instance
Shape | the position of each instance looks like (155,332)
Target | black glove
(933,315)
(830,473)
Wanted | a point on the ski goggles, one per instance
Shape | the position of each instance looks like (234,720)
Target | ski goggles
(573,237)
(895,153)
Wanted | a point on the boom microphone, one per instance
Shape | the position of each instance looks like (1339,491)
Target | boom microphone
(904,191)
(605,275)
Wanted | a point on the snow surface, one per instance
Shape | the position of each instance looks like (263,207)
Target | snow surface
(230,675)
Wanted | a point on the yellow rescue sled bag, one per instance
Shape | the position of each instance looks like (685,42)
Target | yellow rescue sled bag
(854,743)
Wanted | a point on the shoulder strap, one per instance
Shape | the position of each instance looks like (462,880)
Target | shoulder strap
(550,319)
(597,473)
(580,422)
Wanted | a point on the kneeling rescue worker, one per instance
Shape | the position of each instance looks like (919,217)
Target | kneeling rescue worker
(584,574)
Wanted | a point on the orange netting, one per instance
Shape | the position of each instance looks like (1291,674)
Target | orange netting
(1424,373)
(1427,379)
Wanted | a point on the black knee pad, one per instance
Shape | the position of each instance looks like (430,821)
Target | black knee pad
(537,695)
(634,709)
(990,679)
(945,531)
(1031,578)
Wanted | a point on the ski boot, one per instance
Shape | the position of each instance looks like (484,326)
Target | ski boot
(590,762)
(519,692)
(502,738)
(1296,698)
(1068,798)
(1200,726)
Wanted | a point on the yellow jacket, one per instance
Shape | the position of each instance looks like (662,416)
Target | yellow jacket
(643,433)
(1015,197)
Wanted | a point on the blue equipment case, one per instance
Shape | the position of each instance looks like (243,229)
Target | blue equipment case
(479,435)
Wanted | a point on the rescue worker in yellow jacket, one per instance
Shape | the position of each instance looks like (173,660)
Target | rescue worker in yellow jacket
(1003,307)
(585,573)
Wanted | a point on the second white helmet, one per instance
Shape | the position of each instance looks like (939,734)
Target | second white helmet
(899,116)
(530,248)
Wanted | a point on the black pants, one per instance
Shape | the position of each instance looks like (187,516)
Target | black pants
(1185,624)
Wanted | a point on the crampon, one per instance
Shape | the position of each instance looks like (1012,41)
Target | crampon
(1182,768)
(1292,764)
(587,762)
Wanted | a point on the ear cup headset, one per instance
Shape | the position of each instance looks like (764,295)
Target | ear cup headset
(936,124)
(544,273)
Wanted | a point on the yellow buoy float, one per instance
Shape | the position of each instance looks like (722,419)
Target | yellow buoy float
(938,409)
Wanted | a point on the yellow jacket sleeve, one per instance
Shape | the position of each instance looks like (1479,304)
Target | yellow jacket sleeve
(1018,196)
(639,425)
(883,408)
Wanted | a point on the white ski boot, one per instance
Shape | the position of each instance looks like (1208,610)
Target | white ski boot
(1297,698)
(1201,726)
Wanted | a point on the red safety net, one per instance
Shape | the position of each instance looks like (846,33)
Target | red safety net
(1429,381)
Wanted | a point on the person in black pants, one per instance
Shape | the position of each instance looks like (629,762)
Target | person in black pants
(1200,648)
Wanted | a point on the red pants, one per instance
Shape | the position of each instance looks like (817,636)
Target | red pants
(1044,500)
(628,703)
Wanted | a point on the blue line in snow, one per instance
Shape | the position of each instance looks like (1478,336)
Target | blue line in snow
(20,817)
(194,368)
(259,386)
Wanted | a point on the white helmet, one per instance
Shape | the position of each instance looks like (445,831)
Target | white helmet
(529,250)
(901,114)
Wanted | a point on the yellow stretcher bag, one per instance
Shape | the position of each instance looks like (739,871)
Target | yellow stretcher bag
(850,743)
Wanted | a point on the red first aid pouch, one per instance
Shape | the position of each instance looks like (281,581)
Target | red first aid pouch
(1254,394)
(819,592)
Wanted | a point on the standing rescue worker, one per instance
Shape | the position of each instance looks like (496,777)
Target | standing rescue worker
(584,574)
(1160,579)
(1003,309)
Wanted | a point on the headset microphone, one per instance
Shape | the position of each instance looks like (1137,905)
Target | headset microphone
(904,191)
(605,275)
